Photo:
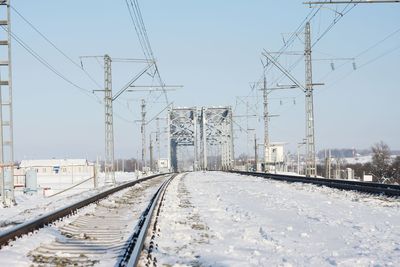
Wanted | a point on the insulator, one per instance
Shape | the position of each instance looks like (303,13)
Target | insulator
(332,66)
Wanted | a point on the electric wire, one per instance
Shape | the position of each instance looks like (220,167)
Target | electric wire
(44,62)
(55,46)
(366,50)
(138,32)
(336,20)
(360,54)
(292,38)
(362,66)
(139,26)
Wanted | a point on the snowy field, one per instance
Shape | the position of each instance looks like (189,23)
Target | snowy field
(221,219)
(30,206)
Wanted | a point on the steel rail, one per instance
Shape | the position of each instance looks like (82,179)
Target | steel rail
(135,243)
(365,187)
(35,224)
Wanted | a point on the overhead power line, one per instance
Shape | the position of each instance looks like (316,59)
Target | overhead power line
(365,51)
(44,62)
(55,47)
(339,16)
(286,45)
(139,26)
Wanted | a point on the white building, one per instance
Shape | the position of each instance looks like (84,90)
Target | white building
(51,167)
(54,175)
(162,165)
(276,156)
(276,153)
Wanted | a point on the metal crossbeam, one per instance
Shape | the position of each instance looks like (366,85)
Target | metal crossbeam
(352,2)
(134,79)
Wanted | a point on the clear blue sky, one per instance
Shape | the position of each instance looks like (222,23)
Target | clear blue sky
(213,48)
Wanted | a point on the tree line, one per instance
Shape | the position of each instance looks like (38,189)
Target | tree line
(383,167)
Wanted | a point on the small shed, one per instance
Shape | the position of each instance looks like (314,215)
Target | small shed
(276,153)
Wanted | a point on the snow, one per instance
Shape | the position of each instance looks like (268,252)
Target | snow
(53,162)
(30,206)
(21,251)
(16,254)
(224,219)
(360,159)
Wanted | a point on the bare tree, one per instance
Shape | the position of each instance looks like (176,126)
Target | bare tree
(396,169)
(381,163)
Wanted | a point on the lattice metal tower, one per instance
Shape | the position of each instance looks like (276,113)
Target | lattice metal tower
(266,125)
(6,115)
(109,126)
(310,140)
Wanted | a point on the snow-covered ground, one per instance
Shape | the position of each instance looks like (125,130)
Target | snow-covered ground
(60,245)
(223,219)
(359,159)
(30,206)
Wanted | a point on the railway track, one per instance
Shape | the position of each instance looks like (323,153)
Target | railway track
(133,253)
(365,187)
(110,230)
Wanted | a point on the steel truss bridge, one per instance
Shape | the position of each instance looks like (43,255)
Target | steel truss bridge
(207,132)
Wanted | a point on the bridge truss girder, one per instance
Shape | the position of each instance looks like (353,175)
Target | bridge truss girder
(182,133)
(208,130)
(216,135)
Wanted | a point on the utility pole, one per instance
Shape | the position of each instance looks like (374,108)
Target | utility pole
(151,154)
(298,155)
(232,164)
(6,113)
(255,153)
(248,129)
(195,149)
(308,90)
(266,124)
(310,139)
(109,126)
(328,164)
(338,168)
(204,137)
(158,134)
(309,107)
(108,100)
(143,131)
(266,114)
(169,140)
